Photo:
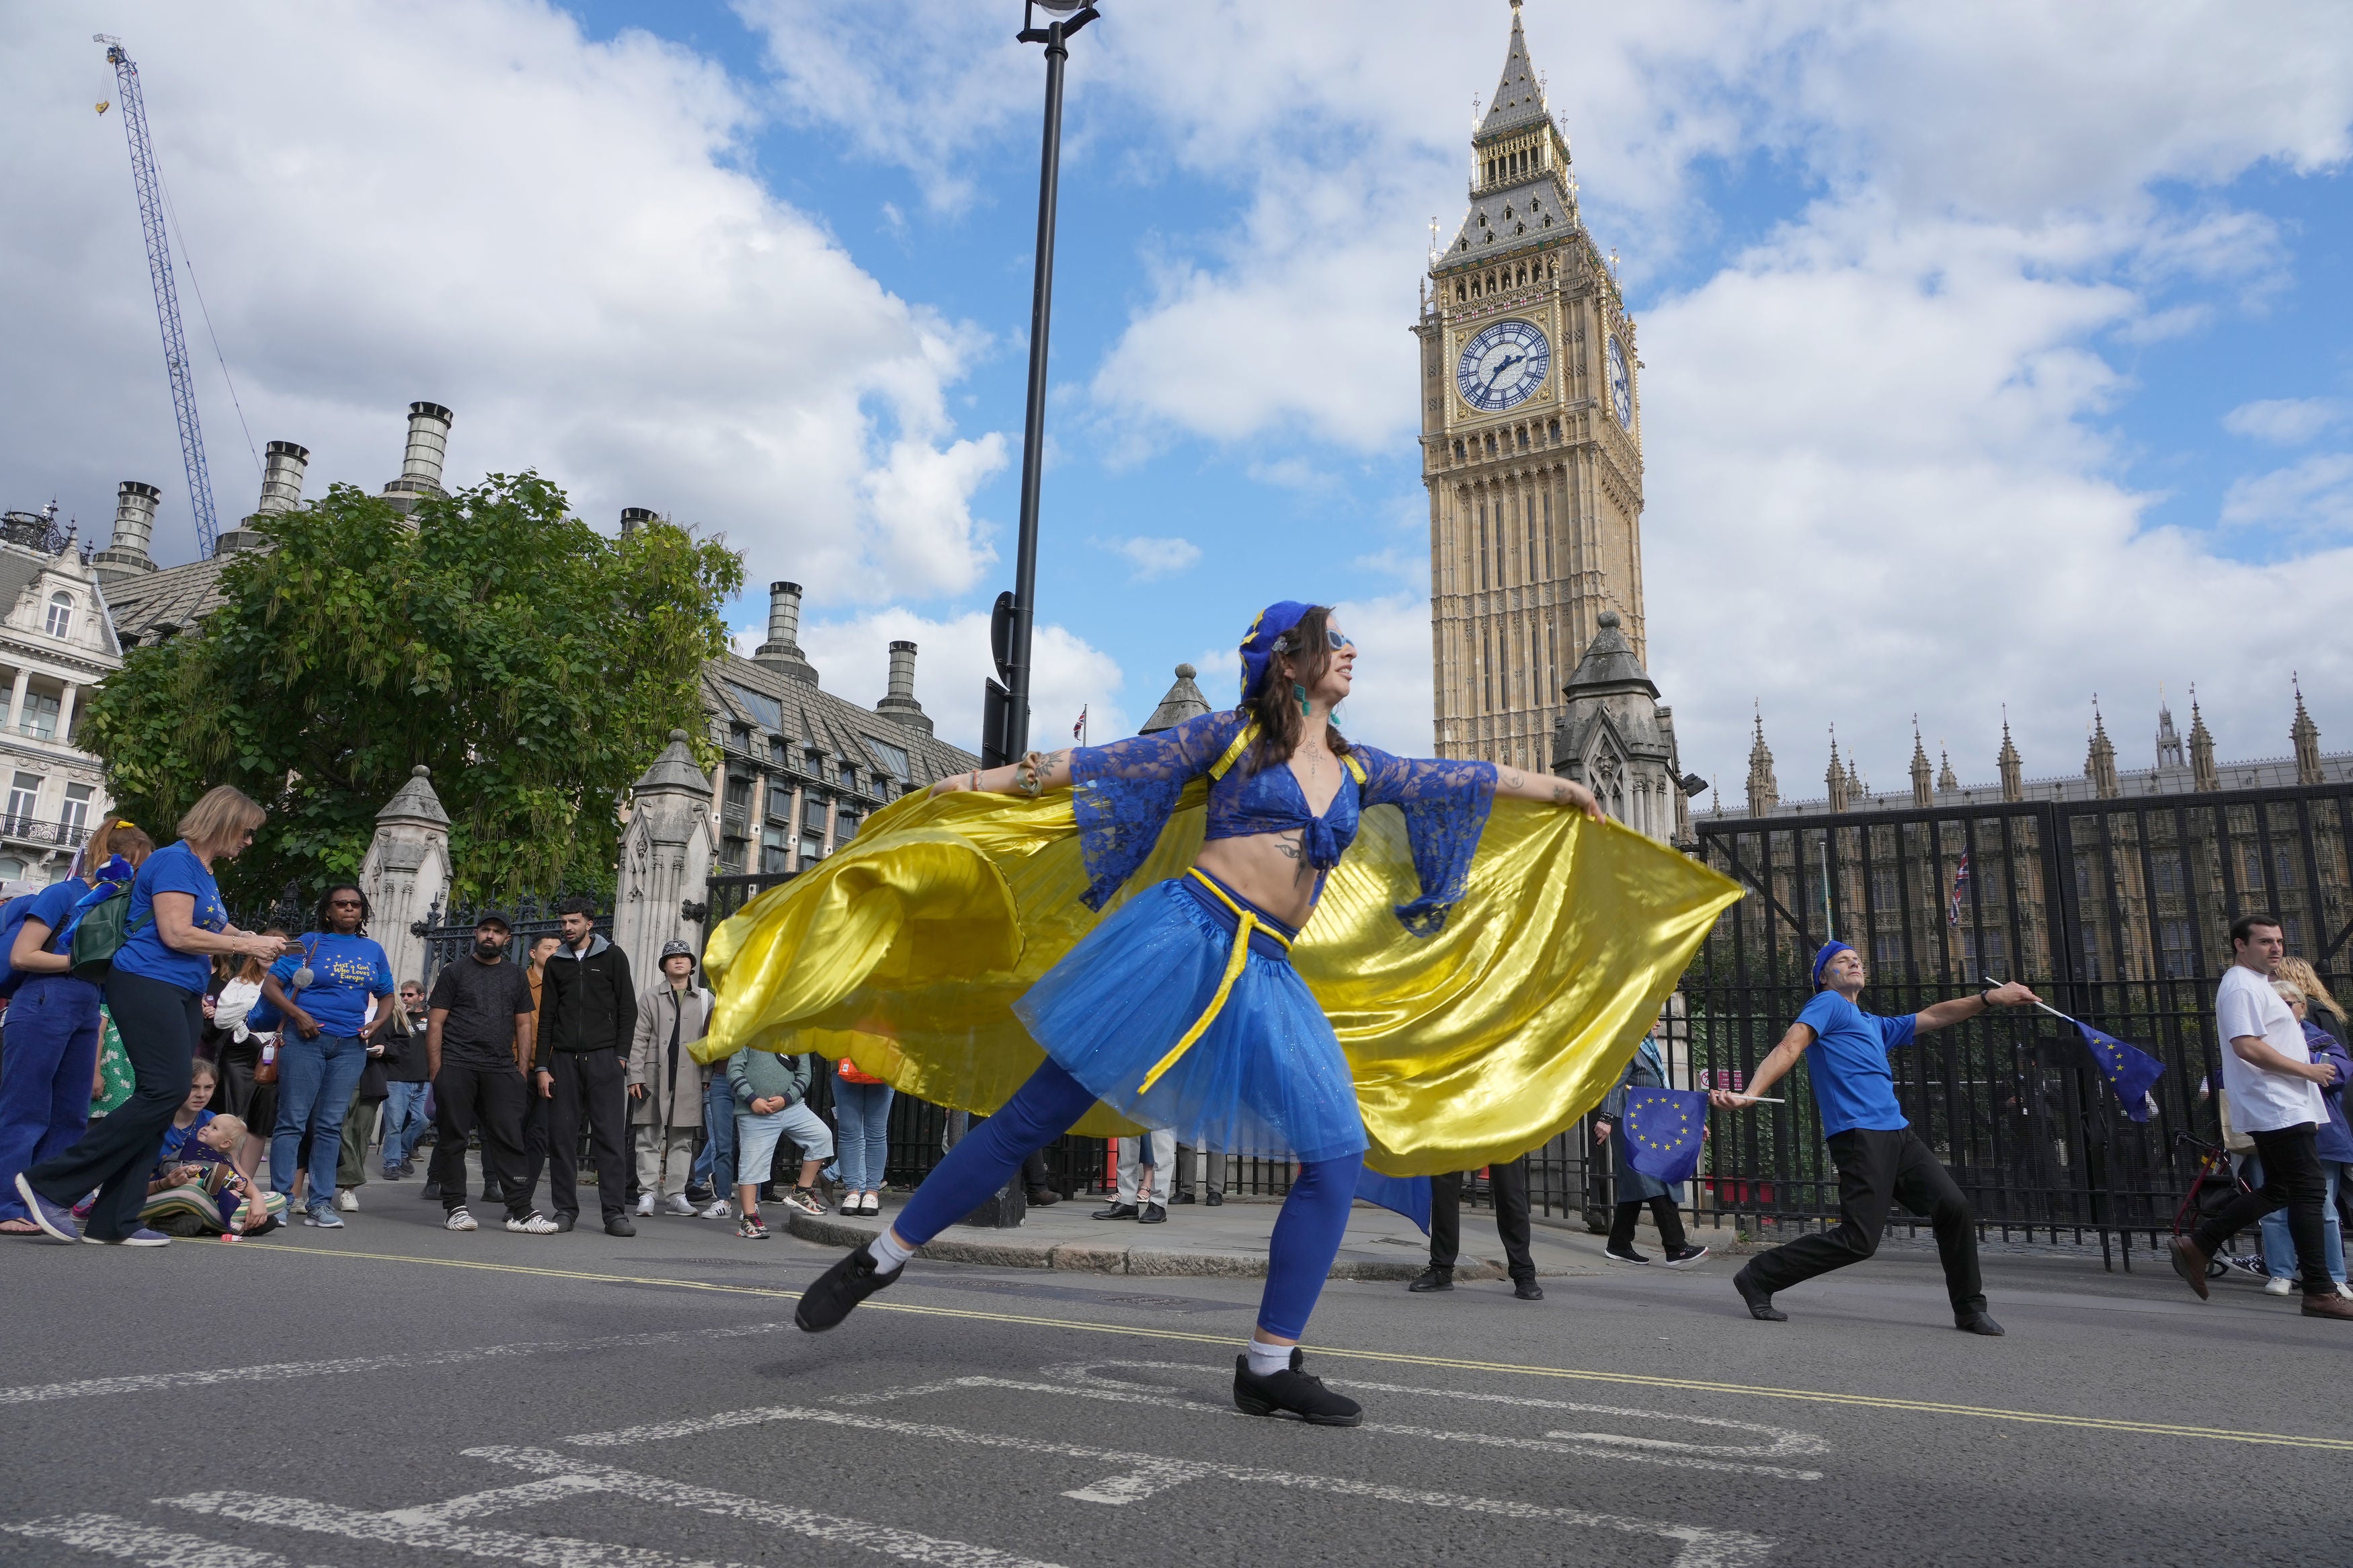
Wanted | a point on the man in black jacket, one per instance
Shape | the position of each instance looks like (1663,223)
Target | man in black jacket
(587,1009)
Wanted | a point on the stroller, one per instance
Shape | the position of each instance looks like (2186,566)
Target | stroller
(2214,1185)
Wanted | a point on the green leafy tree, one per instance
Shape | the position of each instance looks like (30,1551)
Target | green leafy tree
(533,664)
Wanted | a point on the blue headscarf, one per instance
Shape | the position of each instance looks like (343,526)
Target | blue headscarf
(1258,648)
(1831,949)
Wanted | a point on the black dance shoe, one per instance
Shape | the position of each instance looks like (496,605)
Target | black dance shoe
(850,1280)
(1759,1299)
(1297,1391)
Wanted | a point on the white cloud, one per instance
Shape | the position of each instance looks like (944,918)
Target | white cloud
(853,661)
(2284,421)
(1148,558)
(2314,497)
(471,203)
(1392,702)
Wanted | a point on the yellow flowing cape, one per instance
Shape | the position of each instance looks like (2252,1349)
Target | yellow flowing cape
(905,950)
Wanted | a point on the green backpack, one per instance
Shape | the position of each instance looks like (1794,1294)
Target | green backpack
(103,931)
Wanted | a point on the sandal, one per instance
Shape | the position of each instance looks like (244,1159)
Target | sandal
(752,1228)
(806,1199)
(19,1228)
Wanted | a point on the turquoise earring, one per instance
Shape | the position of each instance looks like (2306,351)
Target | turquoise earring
(1301,692)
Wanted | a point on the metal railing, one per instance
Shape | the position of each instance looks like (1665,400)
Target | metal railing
(26,829)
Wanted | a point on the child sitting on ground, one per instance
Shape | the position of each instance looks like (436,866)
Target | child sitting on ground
(203,1156)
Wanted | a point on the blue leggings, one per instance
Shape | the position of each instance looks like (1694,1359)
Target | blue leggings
(1306,1234)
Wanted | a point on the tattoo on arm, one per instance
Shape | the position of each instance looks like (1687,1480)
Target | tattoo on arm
(1512,780)
(1560,794)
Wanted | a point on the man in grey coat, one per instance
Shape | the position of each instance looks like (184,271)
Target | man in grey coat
(666,1083)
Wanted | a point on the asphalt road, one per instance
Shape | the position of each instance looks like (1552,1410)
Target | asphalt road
(393,1394)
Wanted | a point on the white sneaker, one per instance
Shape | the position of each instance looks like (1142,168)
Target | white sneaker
(536,1224)
(2344,1291)
(348,1201)
(2278,1285)
(645,1203)
(719,1209)
(677,1203)
(460,1220)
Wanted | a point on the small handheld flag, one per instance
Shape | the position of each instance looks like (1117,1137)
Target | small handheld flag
(2130,1071)
(1078,730)
(1960,886)
(1664,1128)
(1407,1196)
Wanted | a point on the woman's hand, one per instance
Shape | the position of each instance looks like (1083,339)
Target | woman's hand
(262,947)
(1511,784)
(304,1025)
(1725,1099)
(955,782)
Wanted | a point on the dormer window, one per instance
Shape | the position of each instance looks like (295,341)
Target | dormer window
(60,614)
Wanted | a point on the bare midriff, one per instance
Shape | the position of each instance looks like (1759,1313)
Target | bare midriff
(1268,869)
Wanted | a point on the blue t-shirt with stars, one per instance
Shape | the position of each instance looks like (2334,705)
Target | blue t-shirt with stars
(1853,1086)
(345,970)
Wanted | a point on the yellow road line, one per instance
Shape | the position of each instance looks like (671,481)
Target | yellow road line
(1399,1358)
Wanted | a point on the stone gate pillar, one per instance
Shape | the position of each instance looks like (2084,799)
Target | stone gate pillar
(406,871)
(665,857)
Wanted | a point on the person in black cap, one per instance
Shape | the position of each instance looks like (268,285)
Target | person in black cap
(478,1040)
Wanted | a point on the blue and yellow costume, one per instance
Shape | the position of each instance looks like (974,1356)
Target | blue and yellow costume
(1474,974)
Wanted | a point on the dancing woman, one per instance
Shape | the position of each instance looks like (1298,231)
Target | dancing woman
(1181,1009)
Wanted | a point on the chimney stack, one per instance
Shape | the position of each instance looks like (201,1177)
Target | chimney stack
(134,528)
(635,517)
(900,704)
(420,465)
(782,648)
(281,490)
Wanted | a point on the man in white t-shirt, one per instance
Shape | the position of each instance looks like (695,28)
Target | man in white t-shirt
(2273,1086)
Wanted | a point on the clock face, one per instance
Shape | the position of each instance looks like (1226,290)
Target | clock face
(1621,391)
(1503,366)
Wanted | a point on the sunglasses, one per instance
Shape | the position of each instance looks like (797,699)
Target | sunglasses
(1332,638)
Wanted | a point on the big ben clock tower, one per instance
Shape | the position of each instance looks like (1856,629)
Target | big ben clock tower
(1532,447)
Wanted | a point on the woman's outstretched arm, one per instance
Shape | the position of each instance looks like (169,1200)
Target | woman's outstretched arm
(1052,768)
(1514,784)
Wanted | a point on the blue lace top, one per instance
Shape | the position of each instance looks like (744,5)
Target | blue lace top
(1124,794)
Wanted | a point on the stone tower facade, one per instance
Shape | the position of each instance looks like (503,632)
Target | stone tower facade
(1531,439)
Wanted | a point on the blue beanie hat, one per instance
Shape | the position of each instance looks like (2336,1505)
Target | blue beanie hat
(1831,949)
(1257,646)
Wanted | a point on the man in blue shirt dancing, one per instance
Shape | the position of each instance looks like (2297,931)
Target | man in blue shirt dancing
(1881,1161)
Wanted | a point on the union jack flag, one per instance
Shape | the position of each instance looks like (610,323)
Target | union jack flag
(1078,730)
(1960,886)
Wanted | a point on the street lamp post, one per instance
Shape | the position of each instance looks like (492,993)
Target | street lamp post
(1005,708)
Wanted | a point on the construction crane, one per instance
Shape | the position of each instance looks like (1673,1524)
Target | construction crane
(167,299)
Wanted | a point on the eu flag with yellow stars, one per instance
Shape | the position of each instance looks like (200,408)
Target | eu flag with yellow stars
(2130,1071)
(1663,1128)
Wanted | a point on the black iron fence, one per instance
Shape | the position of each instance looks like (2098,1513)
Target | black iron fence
(2116,911)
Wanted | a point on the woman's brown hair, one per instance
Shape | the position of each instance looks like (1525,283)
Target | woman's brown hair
(221,818)
(114,837)
(253,969)
(2306,979)
(1308,651)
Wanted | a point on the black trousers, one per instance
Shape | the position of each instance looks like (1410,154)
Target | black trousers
(1877,1170)
(160,1024)
(2293,1181)
(1630,1214)
(469,1097)
(591,1086)
(1509,1183)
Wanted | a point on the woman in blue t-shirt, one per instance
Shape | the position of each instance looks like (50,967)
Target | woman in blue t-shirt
(48,1047)
(176,923)
(326,1043)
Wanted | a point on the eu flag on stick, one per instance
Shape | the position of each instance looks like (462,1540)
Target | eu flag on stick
(1664,1128)
(2130,1071)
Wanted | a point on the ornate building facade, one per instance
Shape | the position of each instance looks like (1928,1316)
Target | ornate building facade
(1531,439)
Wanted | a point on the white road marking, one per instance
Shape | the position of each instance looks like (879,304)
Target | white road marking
(889,1540)
(500,1500)
(1140,1476)
(112,1536)
(436,1535)
(279,1372)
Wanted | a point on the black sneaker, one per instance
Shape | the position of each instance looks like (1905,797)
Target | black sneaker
(1182,1198)
(1978,1322)
(1431,1278)
(620,1225)
(1216,1198)
(1684,1256)
(432,1190)
(1528,1290)
(1300,1393)
(850,1280)
(1759,1299)
(1623,1254)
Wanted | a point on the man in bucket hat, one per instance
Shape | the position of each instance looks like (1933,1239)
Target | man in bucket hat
(666,1083)
(1881,1161)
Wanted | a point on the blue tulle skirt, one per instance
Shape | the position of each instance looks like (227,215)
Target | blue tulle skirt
(1266,1079)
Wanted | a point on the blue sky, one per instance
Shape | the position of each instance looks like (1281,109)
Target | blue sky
(1998,357)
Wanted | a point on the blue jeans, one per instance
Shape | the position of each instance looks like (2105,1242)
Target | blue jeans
(315,1080)
(716,1163)
(404,1120)
(2279,1248)
(51,1052)
(861,1117)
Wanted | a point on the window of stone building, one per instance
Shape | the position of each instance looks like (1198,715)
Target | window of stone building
(848,775)
(1487,668)
(1483,544)
(60,614)
(2090,934)
(780,801)
(11,868)
(812,849)
(2177,950)
(895,758)
(845,827)
(2166,868)
(779,754)
(739,799)
(1886,888)
(775,850)
(40,718)
(813,762)
(1887,952)
(75,815)
(813,814)
(24,795)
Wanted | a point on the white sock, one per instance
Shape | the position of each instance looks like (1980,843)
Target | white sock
(1265,1360)
(889,1251)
